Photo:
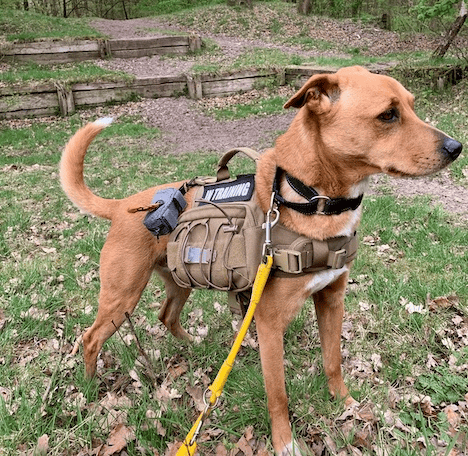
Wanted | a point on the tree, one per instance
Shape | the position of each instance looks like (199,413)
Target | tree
(452,32)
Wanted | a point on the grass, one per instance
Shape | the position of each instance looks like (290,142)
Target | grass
(23,26)
(412,256)
(64,73)
(411,253)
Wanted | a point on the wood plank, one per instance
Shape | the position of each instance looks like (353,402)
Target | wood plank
(29,102)
(229,87)
(148,81)
(237,75)
(27,88)
(160,80)
(57,58)
(101,96)
(105,95)
(89,86)
(52,47)
(118,94)
(137,53)
(163,90)
(148,42)
(41,112)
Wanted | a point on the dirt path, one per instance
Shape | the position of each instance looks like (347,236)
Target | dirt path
(185,128)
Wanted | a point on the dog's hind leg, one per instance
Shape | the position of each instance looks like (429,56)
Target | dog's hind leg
(173,305)
(329,307)
(124,274)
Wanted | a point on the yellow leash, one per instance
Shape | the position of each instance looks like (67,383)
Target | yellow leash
(189,446)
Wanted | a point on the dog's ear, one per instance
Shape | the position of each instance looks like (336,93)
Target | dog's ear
(319,92)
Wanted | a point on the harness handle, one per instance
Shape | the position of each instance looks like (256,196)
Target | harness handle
(223,172)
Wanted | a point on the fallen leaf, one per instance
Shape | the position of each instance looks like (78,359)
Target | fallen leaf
(172,448)
(245,446)
(221,450)
(117,440)
(196,393)
(376,361)
(5,393)
(453,417)
(176,370)
(443,302)
(427,406)
(42,446)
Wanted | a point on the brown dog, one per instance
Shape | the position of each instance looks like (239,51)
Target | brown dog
(350,125)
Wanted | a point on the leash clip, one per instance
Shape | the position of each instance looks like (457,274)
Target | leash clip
(207,410)
(268,225)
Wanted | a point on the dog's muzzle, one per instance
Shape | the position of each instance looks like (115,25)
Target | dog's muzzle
(451,148)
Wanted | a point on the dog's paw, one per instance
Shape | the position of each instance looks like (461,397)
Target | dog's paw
(104,121)
(351,403)
(291,449)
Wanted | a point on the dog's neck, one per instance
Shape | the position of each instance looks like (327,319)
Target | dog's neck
(314,203)
(313,226)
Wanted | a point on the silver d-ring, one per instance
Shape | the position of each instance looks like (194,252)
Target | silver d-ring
(206,400)
(320,197)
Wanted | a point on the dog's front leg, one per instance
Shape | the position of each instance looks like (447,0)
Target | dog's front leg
(280,302)
(329,307)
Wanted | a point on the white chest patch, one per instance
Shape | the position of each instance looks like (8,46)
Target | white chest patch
(323,278)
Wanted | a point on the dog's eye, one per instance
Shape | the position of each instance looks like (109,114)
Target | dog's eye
(390,115)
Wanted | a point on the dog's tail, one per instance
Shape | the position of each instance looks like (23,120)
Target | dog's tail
(71,172)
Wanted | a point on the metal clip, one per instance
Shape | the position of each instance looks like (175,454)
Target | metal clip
(208,408)
(268,225)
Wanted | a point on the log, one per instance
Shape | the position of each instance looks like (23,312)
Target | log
(45,52)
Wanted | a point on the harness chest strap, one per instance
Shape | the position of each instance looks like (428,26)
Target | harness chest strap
(303,255)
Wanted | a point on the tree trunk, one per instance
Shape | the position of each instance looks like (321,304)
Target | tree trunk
(452,33)
(304,7)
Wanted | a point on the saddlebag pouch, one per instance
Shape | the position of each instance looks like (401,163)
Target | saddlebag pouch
(217,245)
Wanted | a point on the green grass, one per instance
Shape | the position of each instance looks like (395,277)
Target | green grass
(265,106)
(26,26)
(64,73)
(411,252)
(149,8)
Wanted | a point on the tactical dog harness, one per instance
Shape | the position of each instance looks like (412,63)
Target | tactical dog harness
(217,243)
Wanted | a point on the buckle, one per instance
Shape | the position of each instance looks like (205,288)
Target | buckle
(336,260)
(289,261)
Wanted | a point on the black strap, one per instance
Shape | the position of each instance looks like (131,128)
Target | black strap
(331,206)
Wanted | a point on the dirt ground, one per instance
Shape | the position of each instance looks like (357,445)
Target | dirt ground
(185,128)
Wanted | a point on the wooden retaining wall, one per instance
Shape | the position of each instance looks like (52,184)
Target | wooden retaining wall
(49,99)
(73,51)
(24,100)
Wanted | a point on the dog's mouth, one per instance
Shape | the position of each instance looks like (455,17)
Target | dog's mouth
(392,171)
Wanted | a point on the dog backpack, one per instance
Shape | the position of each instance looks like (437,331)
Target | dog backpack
(218,242)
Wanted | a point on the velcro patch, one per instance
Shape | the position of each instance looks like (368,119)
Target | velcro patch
(240,189)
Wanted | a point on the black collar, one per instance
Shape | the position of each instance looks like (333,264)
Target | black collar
(331,206)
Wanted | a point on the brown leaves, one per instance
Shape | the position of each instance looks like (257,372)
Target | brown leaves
(117,441)
(247,445)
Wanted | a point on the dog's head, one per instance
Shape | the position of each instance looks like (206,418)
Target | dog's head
(367,122)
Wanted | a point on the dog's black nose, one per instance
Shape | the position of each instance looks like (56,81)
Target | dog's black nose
(451,148)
